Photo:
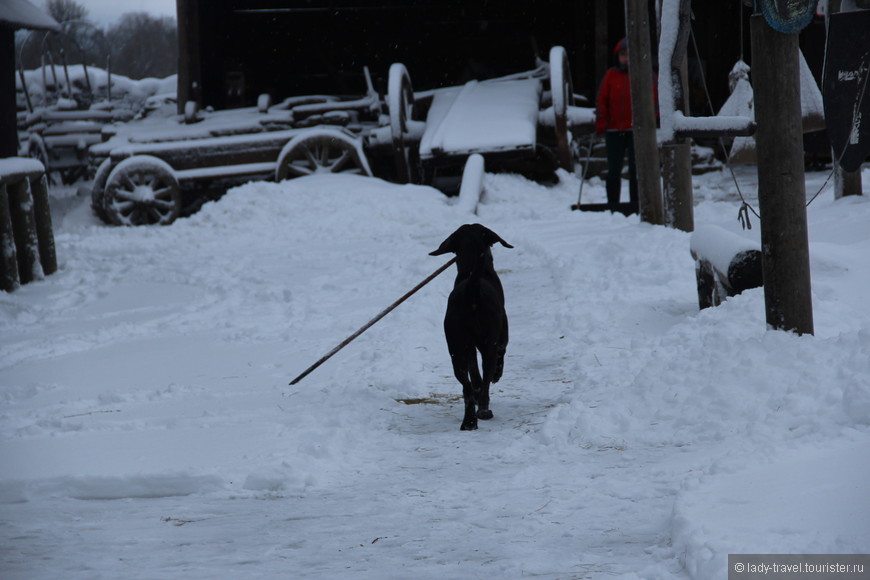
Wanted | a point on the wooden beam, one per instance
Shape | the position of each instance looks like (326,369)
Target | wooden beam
(677,186)
(845,182)
(24,231)
(189,65)
(646,152)
(602,45)
(677,156)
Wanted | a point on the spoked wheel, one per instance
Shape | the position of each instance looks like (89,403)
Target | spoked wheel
(321,151)
(36,149)
(98,202)
(400,98)
(142,190)
(562,90)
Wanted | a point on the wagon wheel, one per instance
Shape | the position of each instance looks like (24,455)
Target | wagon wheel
(562,90)
(36,149)
(98,202)
(142,190)
(321,151)
(400,99)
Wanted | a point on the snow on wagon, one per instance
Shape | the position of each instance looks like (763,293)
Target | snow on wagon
(151,173)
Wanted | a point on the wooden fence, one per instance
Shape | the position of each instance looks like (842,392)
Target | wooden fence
(27,251)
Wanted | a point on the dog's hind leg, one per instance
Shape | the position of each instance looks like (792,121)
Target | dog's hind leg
(492,357)
(465,369)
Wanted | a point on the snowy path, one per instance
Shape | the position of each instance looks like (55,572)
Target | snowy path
(148,430)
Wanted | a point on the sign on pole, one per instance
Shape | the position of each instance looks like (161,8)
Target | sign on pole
(845,87)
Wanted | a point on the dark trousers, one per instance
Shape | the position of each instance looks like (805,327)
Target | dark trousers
(618,144)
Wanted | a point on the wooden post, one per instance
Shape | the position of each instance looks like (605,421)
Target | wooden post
(8,256)
(189,67)
(42,220)
(24,231)
(845,182)
(646,152)
(677,185)
(781,188)
(677,156)
(602,45)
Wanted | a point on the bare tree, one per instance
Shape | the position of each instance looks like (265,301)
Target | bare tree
(140,45)
(66,10)
(144,45)
(79,39)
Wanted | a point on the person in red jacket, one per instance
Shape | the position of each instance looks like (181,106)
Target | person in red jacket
(613,119)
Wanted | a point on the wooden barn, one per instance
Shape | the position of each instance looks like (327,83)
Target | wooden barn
(14,15)
(231,51)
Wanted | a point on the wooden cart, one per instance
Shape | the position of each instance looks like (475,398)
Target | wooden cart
(523,123)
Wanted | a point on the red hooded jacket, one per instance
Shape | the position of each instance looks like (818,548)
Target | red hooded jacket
(614,100)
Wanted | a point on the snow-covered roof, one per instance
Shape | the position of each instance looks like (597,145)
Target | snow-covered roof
(23,14)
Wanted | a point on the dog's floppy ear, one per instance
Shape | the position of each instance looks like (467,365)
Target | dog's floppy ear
(446,247)
(491,237)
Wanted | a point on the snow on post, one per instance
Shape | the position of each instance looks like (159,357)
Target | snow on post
(472,184)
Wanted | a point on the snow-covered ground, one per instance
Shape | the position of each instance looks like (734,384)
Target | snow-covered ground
(147,428)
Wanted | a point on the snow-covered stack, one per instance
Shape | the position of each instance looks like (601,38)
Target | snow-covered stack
(740,104)
(47,86)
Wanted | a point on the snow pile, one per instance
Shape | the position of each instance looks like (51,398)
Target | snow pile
(719,246)
(47,84)
(632,433)
(802,497)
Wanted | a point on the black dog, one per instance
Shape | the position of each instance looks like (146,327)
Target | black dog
(475,319)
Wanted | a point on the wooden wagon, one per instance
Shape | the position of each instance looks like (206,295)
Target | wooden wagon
(522,123)
(152,174)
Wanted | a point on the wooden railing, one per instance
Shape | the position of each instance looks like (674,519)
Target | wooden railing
(27,251)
